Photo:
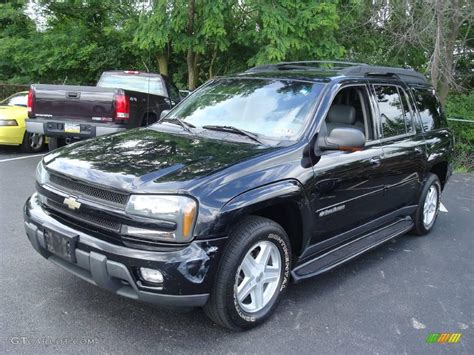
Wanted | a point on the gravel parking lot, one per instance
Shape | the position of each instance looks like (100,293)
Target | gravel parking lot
(386,301)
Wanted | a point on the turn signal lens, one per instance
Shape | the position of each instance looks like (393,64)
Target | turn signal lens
(189,213)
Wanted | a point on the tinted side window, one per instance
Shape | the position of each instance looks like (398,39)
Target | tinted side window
(392,117)
(408,110)
(431,113)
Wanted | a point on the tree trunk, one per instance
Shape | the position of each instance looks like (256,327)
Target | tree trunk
(211,65)
(162,63)
(191,57)
(448,21)
(192,69)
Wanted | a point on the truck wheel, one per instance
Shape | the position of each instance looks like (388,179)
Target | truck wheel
(32,143)
(55,143)
(253,274)
(148,119)
(428,206)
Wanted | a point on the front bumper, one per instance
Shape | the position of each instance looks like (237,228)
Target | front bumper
(56,128)
(188,271)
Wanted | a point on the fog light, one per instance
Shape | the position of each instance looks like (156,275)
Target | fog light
(151,275)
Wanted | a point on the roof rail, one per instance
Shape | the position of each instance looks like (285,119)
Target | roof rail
(306,65)
(409,75)
(338,62)
(346,68)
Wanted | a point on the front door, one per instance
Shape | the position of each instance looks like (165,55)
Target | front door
(348,186)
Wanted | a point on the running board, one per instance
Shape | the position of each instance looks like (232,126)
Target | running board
(335,257)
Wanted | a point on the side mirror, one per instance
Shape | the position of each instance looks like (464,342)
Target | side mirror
(164,113)
(348,139)
(184,93)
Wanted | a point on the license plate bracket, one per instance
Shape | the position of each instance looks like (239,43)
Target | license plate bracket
(61,245)
(72,128)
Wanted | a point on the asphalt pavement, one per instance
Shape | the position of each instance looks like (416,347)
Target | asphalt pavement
(384,302)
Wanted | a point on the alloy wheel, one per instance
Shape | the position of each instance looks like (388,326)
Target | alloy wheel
(430,206)
(258,276)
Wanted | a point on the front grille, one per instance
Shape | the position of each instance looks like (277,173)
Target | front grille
(82,217)
(72,186)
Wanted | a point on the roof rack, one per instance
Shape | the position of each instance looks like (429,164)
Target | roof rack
(346,68)
(306,65)
(409,75)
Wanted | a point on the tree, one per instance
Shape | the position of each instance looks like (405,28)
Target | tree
(184,27)
(428,35)
(290,30)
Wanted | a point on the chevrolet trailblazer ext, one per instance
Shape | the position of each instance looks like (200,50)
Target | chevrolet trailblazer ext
(279,173)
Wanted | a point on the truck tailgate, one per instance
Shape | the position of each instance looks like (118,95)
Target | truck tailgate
(67,102)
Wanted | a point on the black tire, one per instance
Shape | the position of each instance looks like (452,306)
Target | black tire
(32,143)
(223,307)
(148,119)
(421,228)
(55,143)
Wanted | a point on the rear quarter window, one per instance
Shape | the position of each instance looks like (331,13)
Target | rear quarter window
(429,109)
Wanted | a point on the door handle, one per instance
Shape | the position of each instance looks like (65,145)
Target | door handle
(375,162)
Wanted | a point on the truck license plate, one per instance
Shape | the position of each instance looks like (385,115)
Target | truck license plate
(61,245)
(72,128)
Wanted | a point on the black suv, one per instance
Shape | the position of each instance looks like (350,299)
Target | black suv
(281,172)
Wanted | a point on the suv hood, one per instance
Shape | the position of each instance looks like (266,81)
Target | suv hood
(146,157)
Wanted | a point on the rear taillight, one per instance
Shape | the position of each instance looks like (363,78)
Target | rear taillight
(31,96)
(122,107)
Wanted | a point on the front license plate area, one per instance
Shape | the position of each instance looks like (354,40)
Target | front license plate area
(72,128)
(61,245)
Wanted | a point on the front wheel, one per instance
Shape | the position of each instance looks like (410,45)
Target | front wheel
(428,206)
(253,274)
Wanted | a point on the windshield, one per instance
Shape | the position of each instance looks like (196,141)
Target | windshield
(16,100)
(271,108)
(140,83)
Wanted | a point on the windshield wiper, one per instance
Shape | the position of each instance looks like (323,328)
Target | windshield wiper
(236,130)
(187,126)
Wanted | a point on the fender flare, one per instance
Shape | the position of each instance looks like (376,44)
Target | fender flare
(264,196)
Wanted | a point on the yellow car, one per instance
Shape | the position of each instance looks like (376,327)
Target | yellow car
(13,111)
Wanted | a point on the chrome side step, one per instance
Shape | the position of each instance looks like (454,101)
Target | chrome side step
(335,257)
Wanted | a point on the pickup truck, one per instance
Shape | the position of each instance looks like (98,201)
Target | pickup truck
(121,100)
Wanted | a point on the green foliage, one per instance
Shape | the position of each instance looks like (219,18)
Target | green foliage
(291,30)
(462,106)
(81,39)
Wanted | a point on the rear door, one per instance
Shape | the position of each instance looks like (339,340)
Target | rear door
(403,149)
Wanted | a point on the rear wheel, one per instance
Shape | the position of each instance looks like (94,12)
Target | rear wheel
(55,143)
(148,119)
(428,206)
(32,142)
(253,274)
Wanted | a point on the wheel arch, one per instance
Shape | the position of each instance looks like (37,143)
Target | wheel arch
(284,202)
(441,169)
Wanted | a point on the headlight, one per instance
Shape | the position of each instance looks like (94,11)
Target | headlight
(8,123)
(181,210)
(41,174)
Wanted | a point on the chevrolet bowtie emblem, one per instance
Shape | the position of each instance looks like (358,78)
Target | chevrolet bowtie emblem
(72,203)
